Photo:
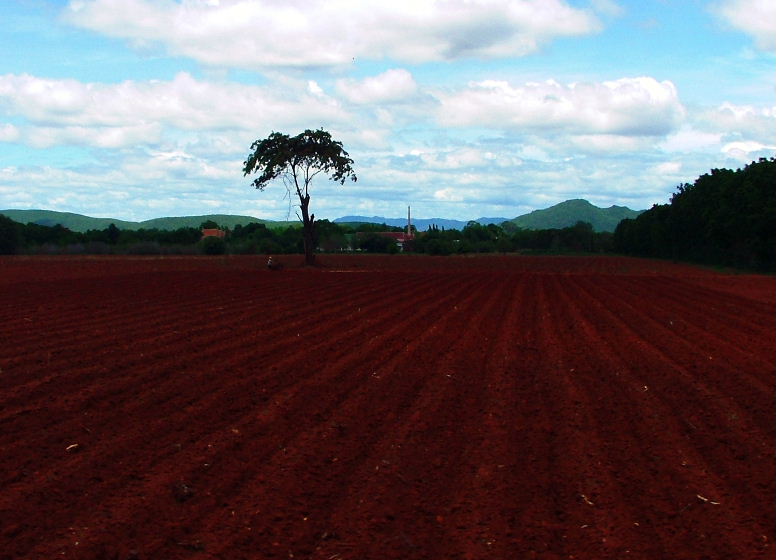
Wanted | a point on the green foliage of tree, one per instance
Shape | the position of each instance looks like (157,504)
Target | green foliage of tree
(55,235)
(725,218)
(254,238)
(10,236)
(330,237)
(567,213)
(113,233)
(297,161)
(440,246)
(376,243)
(438,241)
(213,246)
(370,227)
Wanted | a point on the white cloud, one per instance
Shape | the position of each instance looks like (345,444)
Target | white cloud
(754,17)
(745,120)
(115,115)
(314,88)
(668,168)
(448,195)
(265,33)
(392,85)
(607,7)
(747,151)
(9,133)
(364,137)
(463,158)
(178,165)
(628,107)
(598,144)
(97,136)
(688,139)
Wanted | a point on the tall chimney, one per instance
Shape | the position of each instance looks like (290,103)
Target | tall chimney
(409,224)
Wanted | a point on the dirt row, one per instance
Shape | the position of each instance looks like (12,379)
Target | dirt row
(396,407)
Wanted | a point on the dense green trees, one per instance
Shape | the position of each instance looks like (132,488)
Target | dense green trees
(476,238)
(376,243)
(36,239)
(10,236)
(257,238)
(725,217)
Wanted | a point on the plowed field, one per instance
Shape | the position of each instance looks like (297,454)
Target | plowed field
(385,408)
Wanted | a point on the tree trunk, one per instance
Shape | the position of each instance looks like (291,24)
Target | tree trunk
(308,231)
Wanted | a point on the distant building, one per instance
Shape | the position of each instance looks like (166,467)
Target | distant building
(403,239)
(213,233)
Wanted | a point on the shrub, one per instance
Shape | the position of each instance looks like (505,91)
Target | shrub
(10,236)
(212,246)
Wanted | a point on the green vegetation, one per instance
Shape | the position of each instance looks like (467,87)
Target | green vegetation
(80,223)
(297,160)
(568,213)
(257,238)
(73,222)
(212,246)
(476,238)
(725,218)
(10,236)
(561,215)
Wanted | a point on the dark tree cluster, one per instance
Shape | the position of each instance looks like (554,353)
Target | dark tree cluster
(328,237)
(724,218)
(254,238)
(31,238)
(508,238)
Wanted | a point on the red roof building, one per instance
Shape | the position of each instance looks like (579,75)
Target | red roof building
(213,233)
(402,239)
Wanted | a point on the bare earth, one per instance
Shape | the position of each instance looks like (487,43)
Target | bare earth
(385,408)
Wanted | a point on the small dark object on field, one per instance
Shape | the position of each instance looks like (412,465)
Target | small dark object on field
(274,265)
(182,491)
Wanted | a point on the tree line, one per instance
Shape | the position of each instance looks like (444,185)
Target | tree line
(509,238)
(254,238)
(725,218)
(257,238)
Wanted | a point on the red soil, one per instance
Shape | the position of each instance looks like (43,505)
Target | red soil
(385,407)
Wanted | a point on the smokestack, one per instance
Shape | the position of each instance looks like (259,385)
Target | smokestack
(409,224)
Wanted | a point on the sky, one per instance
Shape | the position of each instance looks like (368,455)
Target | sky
(138,109)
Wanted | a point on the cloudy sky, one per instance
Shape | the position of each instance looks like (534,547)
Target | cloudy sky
(137,109)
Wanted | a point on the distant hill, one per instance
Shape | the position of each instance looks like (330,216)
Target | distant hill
(559,216)
(223,220)
(73,222)
(77,222)
(422,224)
(570,212)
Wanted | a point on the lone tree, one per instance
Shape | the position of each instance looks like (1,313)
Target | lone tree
(297,160)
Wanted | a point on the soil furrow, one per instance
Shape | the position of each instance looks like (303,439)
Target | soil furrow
(460,407)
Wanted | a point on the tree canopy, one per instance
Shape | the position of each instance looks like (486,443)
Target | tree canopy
(725,217)
(297,160)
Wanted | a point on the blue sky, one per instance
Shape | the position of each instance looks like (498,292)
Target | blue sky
(136,109)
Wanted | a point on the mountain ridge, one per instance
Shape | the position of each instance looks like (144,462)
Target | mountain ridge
(421,224)
(82,223)
(569,212)
(560,215)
